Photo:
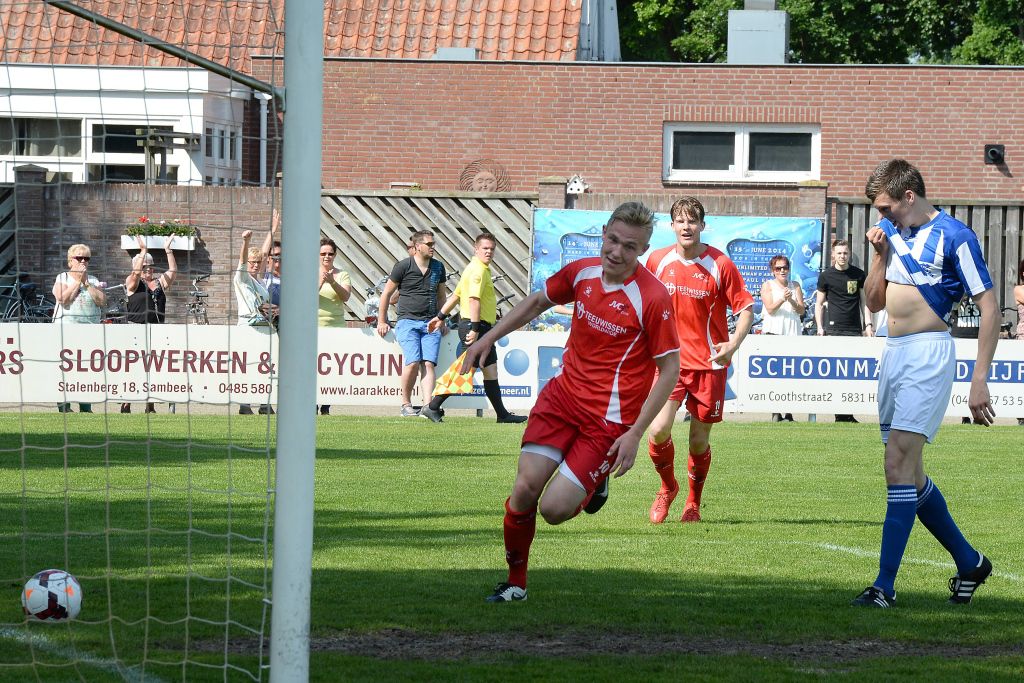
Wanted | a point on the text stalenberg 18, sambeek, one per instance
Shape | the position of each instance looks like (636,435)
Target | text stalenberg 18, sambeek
(168,360)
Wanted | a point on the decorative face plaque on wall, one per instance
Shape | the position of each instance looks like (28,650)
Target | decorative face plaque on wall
(484,175)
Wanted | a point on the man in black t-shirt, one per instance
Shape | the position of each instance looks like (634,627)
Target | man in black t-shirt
(420,283)
(841,286)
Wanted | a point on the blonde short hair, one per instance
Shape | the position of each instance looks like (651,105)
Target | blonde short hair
(255,253)
(78,250)
(140,260)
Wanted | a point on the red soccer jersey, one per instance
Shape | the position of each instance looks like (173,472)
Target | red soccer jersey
(617,332)
(700,290)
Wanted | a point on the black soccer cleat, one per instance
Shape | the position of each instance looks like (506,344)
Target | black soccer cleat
(874,597)
(506,592)
(963,587)
(599,498)
(429,413)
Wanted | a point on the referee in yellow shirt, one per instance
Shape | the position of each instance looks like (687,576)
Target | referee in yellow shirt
(477,304)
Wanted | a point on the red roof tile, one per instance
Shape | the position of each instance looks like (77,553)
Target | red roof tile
(232,31)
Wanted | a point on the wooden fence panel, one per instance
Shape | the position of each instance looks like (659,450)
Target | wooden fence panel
(372,229)
(8,243)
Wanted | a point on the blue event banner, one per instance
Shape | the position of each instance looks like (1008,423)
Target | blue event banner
(561,236)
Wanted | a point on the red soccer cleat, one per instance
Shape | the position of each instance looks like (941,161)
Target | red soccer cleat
(662,502)
(691,513)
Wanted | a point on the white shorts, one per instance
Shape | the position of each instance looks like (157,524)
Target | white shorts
(915,382)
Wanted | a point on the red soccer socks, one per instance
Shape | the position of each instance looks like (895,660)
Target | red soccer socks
(663,456)
(520,528)
(697,467)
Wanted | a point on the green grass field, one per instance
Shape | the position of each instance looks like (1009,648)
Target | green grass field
(408,542)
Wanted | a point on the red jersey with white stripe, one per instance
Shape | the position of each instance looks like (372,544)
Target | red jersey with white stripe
(617,332)
(700,289)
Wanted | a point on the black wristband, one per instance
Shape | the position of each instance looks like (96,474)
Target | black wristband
(441,316)
(474,327)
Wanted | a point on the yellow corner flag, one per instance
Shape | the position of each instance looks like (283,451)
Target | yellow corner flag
(453,381)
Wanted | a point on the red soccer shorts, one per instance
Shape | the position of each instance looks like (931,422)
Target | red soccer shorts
(582,438)
(703,391)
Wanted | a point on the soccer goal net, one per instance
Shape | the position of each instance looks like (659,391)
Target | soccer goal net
(140,245)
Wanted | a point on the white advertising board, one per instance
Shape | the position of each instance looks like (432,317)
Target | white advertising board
(43,363)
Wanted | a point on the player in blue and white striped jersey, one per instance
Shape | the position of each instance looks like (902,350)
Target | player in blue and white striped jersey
(924,261)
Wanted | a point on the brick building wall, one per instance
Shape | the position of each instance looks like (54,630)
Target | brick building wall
(53,217)
(394,120)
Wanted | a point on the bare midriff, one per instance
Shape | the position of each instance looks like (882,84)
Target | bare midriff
(908,312)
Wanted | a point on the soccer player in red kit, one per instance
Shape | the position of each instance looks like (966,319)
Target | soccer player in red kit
(702,282)
(589,419)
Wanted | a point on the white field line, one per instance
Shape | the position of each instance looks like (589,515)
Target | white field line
(41,642)
(860,552)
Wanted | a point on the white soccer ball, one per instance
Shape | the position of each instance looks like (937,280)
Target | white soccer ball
(52,595)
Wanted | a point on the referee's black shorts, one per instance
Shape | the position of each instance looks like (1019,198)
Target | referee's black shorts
(492,355)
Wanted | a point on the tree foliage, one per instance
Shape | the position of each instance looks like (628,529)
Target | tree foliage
(997,36)
(834,31)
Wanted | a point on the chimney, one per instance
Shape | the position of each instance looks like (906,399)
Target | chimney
(758,34)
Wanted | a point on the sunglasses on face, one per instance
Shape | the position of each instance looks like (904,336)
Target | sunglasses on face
(275,257)
(428,244)
(326,253)
(783,268)
(82,259)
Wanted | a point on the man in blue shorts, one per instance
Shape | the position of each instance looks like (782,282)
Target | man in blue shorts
(419,281)
(924,260)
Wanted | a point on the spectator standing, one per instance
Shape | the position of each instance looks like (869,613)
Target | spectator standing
(271,277)
(1018,295)
(252,297)
(147,293)
(419,281)
(702,282)
(478,306)
(335,290)
(782,308)
(80,300)
(841,287)
(918,364)
(589,419)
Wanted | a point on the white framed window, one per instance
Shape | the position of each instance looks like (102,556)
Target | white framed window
(40,137)
(741,152)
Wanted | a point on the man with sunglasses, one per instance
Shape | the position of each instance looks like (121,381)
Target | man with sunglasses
(419,281)
(80,300)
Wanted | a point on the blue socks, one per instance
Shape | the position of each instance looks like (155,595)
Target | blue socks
(899,520)
(928,505)
(933,513)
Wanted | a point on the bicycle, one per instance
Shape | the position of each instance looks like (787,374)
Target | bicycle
(373,302)
(195,308)
(117,313)
(1007,330)
(24,303)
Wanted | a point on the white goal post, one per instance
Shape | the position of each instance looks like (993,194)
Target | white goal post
(296,426)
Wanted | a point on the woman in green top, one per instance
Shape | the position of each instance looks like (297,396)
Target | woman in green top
(335,290)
